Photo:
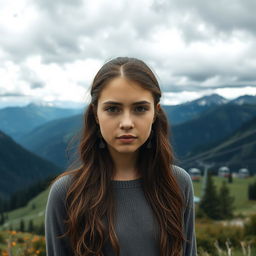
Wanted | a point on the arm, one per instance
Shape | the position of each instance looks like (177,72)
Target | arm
(54,221)
(189,221)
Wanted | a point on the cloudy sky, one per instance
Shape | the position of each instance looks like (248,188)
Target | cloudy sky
(51,50)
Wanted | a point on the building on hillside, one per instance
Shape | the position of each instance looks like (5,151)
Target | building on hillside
(243,173)
(195,174)
(196,199)
(223,171)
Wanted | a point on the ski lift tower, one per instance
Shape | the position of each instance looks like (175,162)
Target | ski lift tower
(206,167)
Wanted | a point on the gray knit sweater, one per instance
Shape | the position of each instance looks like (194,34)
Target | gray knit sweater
(135,226)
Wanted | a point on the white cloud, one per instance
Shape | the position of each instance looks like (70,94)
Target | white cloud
(53,49)
(232,93)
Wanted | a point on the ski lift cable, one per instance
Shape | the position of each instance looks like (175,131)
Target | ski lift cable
(205,153)
(218,154)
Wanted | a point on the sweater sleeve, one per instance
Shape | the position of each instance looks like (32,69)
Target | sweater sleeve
(189,221)
(55,215)
(190,247)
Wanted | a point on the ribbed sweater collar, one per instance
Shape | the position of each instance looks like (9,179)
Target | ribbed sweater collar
(127,183)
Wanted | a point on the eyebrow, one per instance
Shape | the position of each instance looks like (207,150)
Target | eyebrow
(135,103)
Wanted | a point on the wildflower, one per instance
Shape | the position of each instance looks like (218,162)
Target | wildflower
(36,238)
(30,250)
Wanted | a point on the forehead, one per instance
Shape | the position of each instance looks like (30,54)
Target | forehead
(124,91)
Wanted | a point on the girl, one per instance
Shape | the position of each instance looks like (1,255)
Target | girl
(127,197)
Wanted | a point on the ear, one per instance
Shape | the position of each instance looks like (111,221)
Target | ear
(96,119)
(157,109)
(95,113)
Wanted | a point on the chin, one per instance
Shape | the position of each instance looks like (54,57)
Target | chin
(127,149)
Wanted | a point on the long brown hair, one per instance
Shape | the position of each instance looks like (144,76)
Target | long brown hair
(90,197)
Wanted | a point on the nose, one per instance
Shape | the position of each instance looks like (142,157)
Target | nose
(126,121)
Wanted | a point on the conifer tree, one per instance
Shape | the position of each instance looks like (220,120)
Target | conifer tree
(252,191)
(226,201)
(1,204)
(22,225)
(40,230)
(2,220)
(31,226)
(210,203)
(230,178)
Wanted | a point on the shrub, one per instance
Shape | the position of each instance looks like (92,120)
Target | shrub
(2,239)
(252,191)
(250,226)
(20,240)
(209,232)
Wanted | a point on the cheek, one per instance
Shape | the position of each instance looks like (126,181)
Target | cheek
(144,127)
(106,127)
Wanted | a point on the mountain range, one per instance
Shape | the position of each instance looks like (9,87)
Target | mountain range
(236,151)
(196,127)
(50,140)
(211,126)
(17,121)
(181,113)
(20,168)
(219,119)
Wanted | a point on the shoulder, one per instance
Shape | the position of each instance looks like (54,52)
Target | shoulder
(182,176)
(184,181)
(59,188)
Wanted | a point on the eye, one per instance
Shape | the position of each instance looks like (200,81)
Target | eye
(142,109)
(109,109)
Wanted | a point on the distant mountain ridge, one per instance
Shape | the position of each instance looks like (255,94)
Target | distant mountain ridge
(19,167)
(16,121)
(236,151)
(209,100)
(245,99)
(212,126)
(186,111)
(51,139)
(200,119)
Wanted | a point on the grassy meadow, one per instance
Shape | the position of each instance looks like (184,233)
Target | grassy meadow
(238,189)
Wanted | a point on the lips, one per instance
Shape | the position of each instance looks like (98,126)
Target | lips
(127,137)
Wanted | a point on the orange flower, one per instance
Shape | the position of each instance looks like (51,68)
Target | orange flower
(13,243)
(36,238)
(30,249)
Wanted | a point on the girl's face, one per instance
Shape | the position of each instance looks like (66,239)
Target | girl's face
(125,108)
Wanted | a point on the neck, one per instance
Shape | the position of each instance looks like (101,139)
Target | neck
(125,166)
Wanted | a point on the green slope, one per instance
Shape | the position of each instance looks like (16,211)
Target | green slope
(35,210)
(20,168)
(211,127)
(235,151)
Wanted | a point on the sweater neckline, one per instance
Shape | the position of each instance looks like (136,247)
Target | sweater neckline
(127,183)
